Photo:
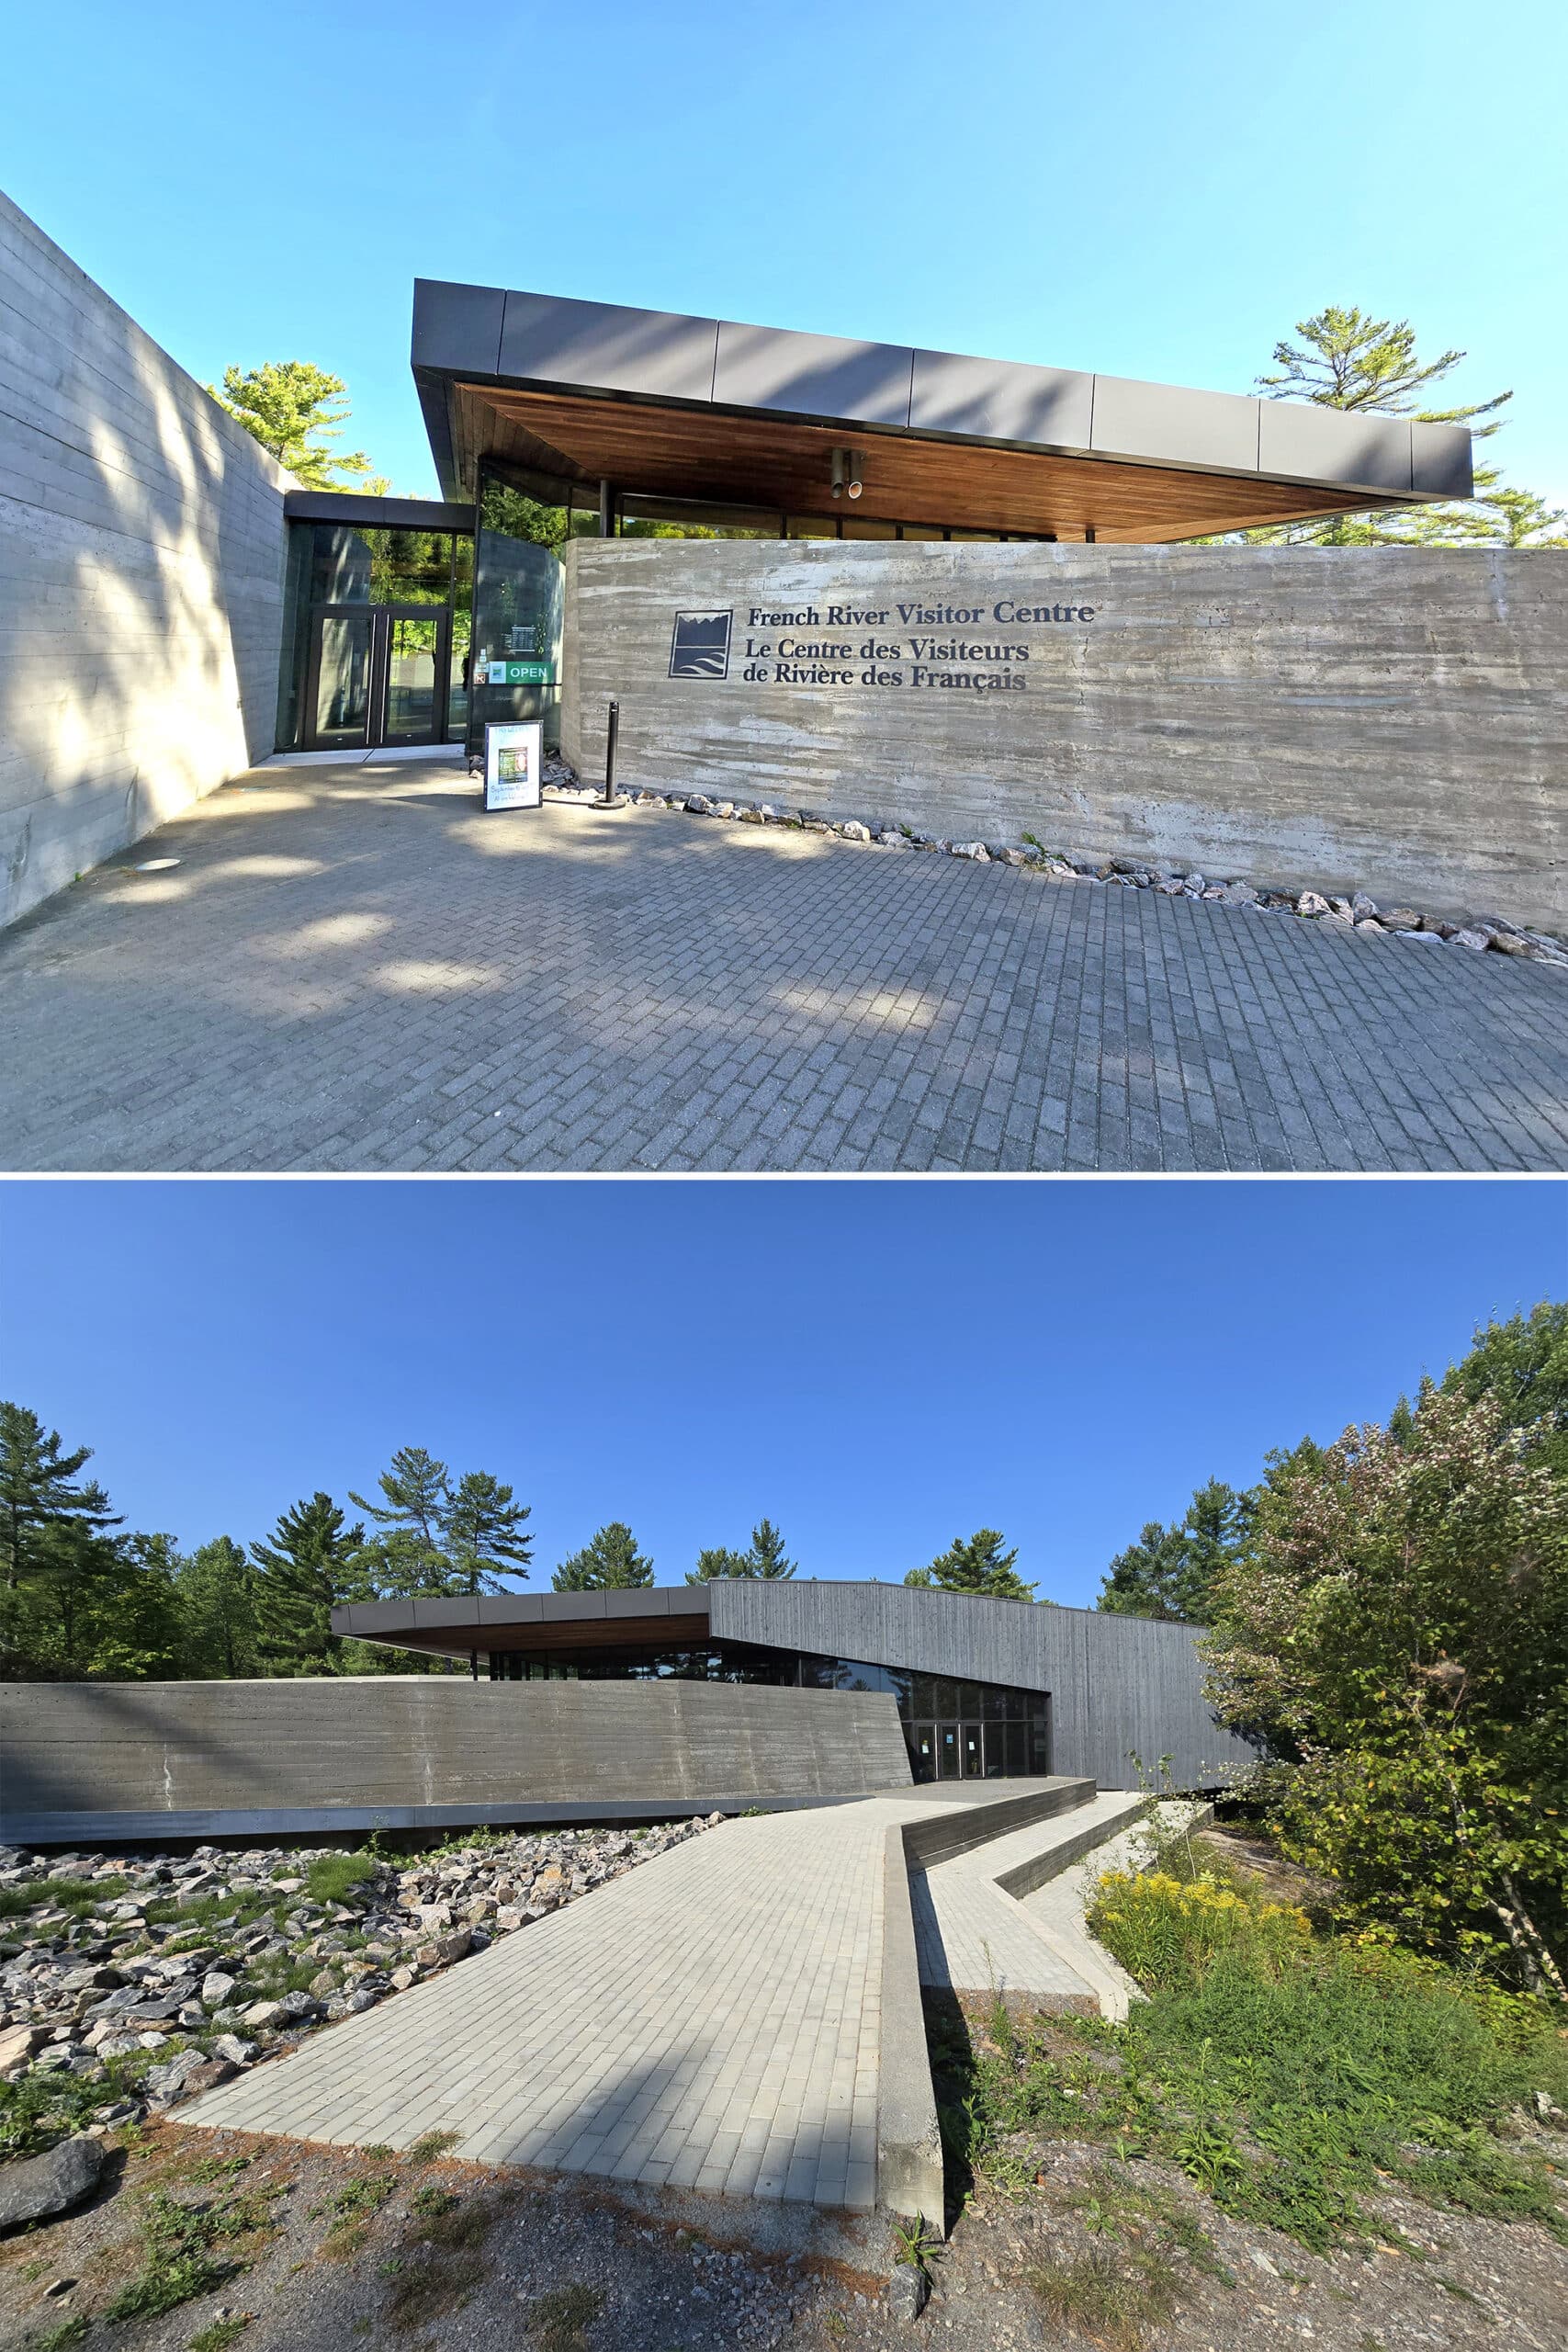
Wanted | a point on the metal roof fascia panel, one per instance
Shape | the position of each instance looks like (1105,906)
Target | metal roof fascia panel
(457,328)
(813,375)
(602,346)
(1306,443)
(1441,462)
(432,1614)
(1166,424)
(1001,400)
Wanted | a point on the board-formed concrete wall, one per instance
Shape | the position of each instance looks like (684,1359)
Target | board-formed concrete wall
(76,1752)
(1387,719)
(1121,1688)
(141,546)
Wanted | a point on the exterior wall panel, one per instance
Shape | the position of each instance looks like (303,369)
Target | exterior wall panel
(413,1741)
(1338,719)
(1121,1687)
(141,549)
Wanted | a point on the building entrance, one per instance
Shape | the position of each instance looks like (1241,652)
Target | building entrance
(974,1751)
(378,674)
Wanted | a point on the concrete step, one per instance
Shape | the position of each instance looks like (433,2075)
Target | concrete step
(1056,1905)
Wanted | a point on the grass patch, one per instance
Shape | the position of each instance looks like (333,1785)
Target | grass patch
(235,1911)
(1113,2298)
(221,2334)
(77,1895)
(558,2322)
(354,2209)
(332,1876)
(43,2109)
(69,2331)
(1290,2074)
(186,2251)
(444,2259)
(431,2147)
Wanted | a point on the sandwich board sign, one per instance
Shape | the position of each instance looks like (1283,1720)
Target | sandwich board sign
(514,760)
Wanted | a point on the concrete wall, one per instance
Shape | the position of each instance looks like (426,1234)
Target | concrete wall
(72,1753)
(141,546)
(1120,1686)
(1389,719)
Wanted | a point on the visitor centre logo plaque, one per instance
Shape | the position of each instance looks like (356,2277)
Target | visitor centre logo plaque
(700,647)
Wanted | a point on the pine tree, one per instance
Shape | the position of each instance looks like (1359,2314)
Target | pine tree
(50,1532)
(1347,360)
(1170,1572)
(766,1558)
(768,1552)
(483,1529)
(307,1567)
(292,409)
(217,1590)
(610,1560)
(433,1538)
(975,1564)
(718,1562)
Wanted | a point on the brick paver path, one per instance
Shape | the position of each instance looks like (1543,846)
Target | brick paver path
(356,968)
(711,2020)
(973,1937)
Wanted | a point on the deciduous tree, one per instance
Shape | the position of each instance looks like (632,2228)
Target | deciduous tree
(1397,1627)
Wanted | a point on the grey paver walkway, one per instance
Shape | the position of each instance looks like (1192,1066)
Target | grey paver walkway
(973,1937)
(355,968)
(711,2020)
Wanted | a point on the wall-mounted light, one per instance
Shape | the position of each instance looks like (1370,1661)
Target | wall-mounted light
(845,471)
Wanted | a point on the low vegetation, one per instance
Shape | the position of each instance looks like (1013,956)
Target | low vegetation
(1292,2074)
(189,2249)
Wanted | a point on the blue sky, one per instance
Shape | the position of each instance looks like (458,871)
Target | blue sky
(878,1366)
(1140,188)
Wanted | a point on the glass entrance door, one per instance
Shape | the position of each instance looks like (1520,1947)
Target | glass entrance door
(339,681)
(378,674)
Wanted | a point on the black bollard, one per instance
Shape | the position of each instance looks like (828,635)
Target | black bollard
(612,729)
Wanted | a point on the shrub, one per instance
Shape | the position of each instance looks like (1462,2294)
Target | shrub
(1166,1933)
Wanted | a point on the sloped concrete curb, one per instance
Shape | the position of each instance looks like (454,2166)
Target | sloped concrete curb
(909,2178)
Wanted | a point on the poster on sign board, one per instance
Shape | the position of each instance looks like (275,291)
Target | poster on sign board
(514,760)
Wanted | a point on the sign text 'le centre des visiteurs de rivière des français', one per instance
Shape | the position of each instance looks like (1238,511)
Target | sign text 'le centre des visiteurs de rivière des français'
(979,648)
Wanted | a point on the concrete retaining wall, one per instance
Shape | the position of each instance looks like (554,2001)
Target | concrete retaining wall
(414,1746)
(142,545)
(1389,719)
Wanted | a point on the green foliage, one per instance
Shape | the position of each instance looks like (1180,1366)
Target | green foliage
(766,1558)
(609,1560)
(181,2251)
(1398,1628)
(1348,360)
(1166,1932)
(311,1564)
(331,1876)
(437,1538)
(1291,2075)
(977,1564)
(1522,1365)
(1170,1572)
(77,1895)
(215,1589)
(297,411)
(220,2334)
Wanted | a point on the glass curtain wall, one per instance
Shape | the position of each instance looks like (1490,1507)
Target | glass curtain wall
(524,521)
(955,1729)
(337,577)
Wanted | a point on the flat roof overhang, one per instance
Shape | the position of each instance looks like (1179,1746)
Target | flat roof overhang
(530,1621)
(709,410)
